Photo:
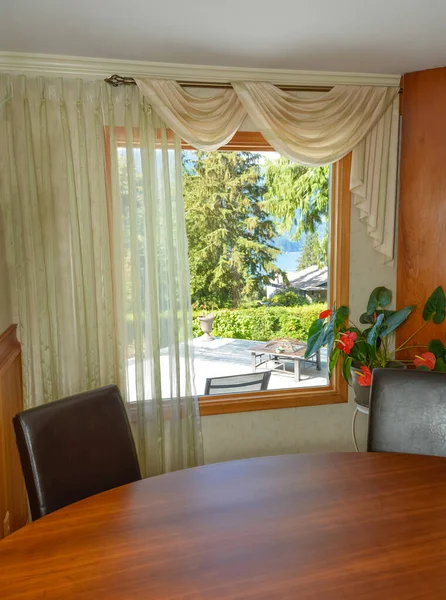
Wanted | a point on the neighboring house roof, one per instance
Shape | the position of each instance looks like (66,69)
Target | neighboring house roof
(310,279)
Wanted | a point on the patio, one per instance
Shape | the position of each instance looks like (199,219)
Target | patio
(228,356)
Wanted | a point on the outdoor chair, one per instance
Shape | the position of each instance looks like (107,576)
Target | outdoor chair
(234,384)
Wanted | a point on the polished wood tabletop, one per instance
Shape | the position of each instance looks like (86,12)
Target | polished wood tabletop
(328,527)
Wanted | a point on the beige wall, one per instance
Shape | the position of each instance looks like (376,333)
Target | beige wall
(5,298)
(308,429)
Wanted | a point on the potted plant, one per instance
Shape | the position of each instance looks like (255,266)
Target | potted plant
(361,351)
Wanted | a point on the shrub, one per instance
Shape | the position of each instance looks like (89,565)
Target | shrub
(263,323)
(289,297)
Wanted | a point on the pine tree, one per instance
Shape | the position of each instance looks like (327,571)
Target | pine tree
(298,197)
(312,253)
(231,253)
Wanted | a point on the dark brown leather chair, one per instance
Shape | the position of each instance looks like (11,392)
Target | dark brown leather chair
(74,448)
(408,412)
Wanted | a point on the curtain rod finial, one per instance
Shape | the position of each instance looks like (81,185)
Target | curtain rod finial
(117,80)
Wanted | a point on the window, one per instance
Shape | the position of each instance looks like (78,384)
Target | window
(229,355)
(267,348)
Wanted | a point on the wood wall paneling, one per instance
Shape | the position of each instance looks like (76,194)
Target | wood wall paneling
(422,204)
(13,498)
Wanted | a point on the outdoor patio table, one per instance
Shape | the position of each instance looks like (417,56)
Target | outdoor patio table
(276,351)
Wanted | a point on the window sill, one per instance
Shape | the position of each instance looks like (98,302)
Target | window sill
(250,401)
(234,403)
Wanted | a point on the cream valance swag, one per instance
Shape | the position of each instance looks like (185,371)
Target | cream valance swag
(310,131)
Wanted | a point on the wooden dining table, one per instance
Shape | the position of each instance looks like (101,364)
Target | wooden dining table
(325,527)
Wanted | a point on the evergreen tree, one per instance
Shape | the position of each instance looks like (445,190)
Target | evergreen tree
(313,252)
(231,254)
(298,197)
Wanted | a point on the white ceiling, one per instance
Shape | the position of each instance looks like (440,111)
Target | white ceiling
(364,36)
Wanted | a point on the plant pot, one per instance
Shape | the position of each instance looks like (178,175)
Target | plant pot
(206,323)
(362,394)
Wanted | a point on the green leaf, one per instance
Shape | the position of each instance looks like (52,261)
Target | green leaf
(329,335)
(395,320)
(440,366)
(374,332)
(338,318)
(346,368)
(322,333)
(340,315)
(434,309)
(366,319)
(381,296)
(360,351)
(436,347)
(366,332)
(329,332)
(316,336)
(333,360)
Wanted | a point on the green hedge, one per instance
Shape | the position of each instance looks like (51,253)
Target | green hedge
(289,297)
(263,323)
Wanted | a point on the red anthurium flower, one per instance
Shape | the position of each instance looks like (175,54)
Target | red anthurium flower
(347,341)
(427,359)
(364,378)
(325,313)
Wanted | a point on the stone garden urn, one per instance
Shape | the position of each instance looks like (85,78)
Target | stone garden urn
(206,323)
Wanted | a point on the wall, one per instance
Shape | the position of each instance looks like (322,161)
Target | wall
(307,429)
(422,211)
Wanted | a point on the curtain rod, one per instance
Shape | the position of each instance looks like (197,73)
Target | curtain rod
(118,80)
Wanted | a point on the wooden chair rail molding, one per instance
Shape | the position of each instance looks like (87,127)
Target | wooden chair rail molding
(13,501)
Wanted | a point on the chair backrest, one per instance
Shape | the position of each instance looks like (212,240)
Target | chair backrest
(407,412)
(233,384)
(74,448)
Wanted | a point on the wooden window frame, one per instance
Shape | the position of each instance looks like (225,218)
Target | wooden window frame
(336,391)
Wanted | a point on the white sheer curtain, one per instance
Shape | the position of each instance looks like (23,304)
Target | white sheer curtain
(311,131)
(92,195)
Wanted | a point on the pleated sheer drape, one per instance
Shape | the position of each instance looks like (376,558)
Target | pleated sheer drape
(92,199)
(312,131)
